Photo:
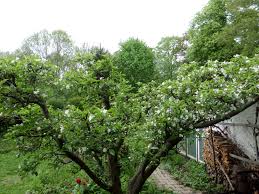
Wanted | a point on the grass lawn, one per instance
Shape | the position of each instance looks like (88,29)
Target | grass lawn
(10,181)
(49,180)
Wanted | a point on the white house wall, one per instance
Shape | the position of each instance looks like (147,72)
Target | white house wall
(243,136)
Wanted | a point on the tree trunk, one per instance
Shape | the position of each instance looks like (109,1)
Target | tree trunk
(116,190)
(114,167)
(147,168)
(136,184)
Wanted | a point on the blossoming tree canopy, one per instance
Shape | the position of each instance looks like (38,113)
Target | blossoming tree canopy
(90,115)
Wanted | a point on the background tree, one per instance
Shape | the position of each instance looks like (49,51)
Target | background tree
(204,34)
(223,29)
(56,47)
(98,52)
(2,54)
(62,49)
(243,25)
(39,44)
(114,135)
(169,54)
(136,60)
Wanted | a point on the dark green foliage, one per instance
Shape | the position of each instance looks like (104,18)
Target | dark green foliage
(8,121)
(223,29)
(136,60)
(243,25)
(204,31)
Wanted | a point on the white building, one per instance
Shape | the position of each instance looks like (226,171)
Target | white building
(242,129)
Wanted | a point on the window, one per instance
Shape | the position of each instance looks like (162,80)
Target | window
(192,146)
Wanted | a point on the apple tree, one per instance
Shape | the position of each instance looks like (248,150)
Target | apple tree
(116,136)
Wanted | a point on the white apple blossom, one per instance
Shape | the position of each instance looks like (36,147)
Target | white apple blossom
(36,92)
(61,128)
(104,111)
(90,117)
(256,69)
(67,86)
(67,113)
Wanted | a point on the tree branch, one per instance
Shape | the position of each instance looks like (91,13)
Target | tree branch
(88,171)
(149,165)
(26,98)
(115,171)
(226,116)
(31,98)
(169,144)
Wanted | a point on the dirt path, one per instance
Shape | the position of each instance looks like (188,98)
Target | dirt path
(165,181)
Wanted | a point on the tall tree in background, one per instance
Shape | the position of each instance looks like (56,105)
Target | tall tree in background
(136,60)
(243,25)
(39,43)
(63,49)
(224,28)
(204,33)
(56,47)
(169,54)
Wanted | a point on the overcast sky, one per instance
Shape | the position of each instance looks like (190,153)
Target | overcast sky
(96,21)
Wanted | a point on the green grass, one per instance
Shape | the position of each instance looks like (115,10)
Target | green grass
(48,179)
(190,173)
(10,181)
